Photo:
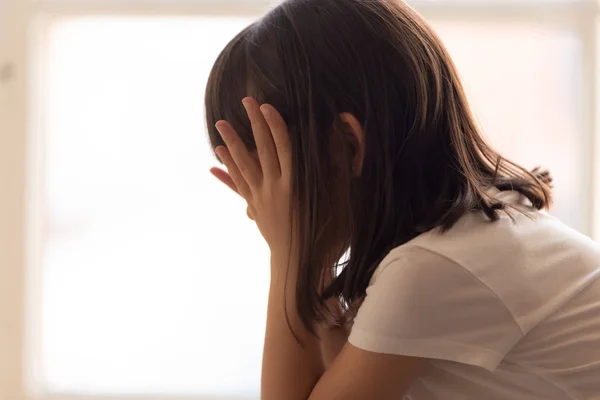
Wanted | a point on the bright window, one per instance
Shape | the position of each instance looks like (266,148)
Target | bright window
(524,81)
(154,280)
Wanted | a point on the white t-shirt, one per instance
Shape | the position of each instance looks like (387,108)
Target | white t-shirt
(505,310)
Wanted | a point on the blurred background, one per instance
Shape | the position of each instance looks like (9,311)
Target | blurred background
(126,271)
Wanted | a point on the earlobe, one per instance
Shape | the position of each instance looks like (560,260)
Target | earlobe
(356,138)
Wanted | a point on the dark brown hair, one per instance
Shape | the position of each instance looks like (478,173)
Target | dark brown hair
(425,164)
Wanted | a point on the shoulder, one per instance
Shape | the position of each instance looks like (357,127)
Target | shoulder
(497,252)
(414,270)
(473,241)
(423,304)
(480,286)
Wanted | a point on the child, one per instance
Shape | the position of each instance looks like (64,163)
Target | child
(355,142)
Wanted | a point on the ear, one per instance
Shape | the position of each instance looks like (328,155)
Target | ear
(356,139)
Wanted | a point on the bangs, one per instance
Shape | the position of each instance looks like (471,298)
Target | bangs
(227,85)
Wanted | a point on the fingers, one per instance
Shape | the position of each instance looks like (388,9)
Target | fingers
(224,177)
(234,172)
(265,146)
(280,136)
(272,142)
(238,156)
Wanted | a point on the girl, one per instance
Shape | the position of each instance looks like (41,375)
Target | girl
(354,142)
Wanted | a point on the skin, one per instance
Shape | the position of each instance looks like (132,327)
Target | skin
(329,368)
(332,340)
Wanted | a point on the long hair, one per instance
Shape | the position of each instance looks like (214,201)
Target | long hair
(426,163)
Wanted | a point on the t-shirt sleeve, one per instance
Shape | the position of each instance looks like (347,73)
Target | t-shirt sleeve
(421,304)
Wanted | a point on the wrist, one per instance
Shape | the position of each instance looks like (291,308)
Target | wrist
(283,273)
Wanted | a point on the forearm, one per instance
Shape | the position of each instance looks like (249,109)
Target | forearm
(290,369)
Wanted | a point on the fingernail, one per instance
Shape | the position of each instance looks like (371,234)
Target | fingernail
(265,110)
(218,125)
(247,102)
